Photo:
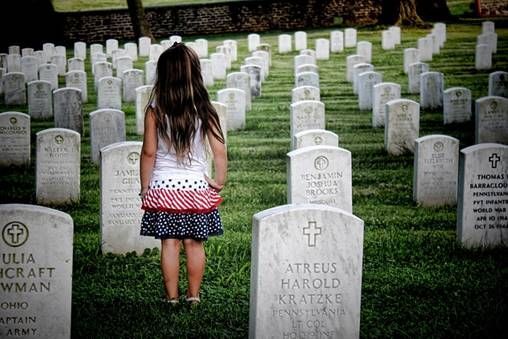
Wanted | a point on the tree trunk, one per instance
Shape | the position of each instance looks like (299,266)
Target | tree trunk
(400,12)
(408,15)
(139,22)
(433,10)
(413,12)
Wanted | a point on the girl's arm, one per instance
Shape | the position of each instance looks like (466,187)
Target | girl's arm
(148,151)
(220,161)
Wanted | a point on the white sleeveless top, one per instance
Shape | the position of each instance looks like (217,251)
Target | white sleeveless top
(166,164)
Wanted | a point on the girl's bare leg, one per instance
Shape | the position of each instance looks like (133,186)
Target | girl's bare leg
(195,253)
(170,266)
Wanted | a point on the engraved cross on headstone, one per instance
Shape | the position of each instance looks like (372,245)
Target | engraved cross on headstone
(312,231)
(15,231)
(494,159)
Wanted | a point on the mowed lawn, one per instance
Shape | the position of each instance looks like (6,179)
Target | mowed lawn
(418,282)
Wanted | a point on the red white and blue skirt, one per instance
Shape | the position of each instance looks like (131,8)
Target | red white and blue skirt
(181,207)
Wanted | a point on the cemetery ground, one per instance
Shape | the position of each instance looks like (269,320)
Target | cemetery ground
(418,282)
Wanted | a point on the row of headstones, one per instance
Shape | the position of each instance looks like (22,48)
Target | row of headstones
(431,186)
(486,45)
(336,43)
(130,77)
(243,86)
(312,292)
(375,94)
(309,241)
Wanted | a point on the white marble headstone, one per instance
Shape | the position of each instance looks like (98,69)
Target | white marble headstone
(381,94)
(48,72)
(144,46)
(75,64)
(13,63)
(131,79)
(120,214)
(285,43)
(234,99)
(491,120)
(366,82)
(488,26)
(109,93)
(425,48)
(320,175)
(80,50)
(150,72)
(349,37)
(36,247)
(202,45)
(107,126)
(402,126)
(336,41)
(300,40)
(322,49)
(357,70)
(241,80)
(253,40)
(413,76)
(456,105)
(364,48)
(14,88)
(305,93)
(122,64)
(68,109)
(155,51)
(435,170)
(498,84)
(206,72)
(303,60)
(315,137)
(307,79)
(306,114)
(300,286)
(132,50)
(351,61)
(218,65)
(77,79)
(307,68)
(387,40)
(14,139)
(482,207)
(29,67)
(111,45)
(483,57)
(57,168)
(102,69)
(411,56)
(40,99)
(142,98)
(254,72)
(431,90)
(61,63)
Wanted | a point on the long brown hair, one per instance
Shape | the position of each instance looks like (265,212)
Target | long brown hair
(181,100)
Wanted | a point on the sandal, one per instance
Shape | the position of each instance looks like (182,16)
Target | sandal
(192,300)
(172,301)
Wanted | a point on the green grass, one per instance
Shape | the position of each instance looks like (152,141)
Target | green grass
(461,7)
(418,282)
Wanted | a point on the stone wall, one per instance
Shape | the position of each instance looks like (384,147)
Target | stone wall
(492,8)
(238,16)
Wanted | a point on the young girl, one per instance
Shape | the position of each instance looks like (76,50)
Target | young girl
(179,199)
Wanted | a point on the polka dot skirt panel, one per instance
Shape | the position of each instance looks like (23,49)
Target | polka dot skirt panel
(168,225)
